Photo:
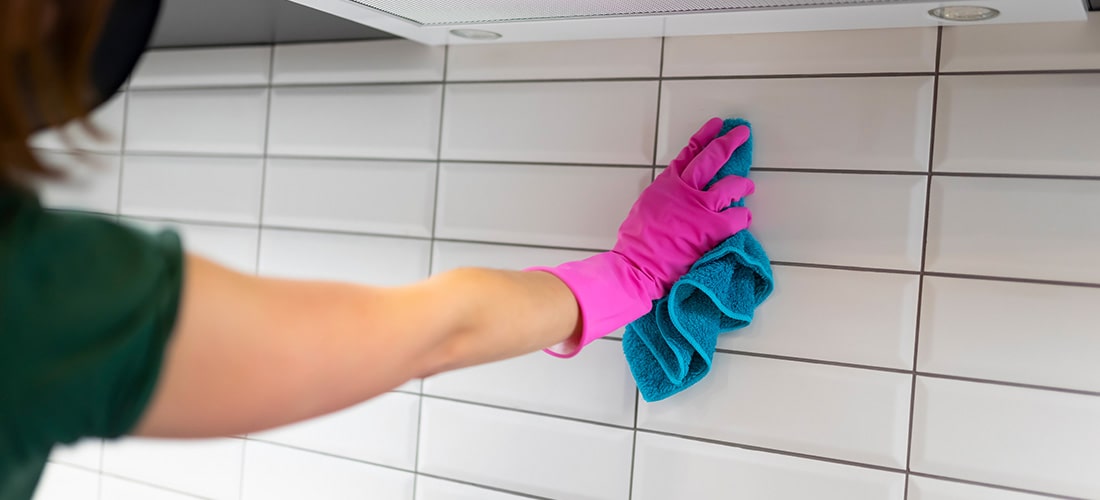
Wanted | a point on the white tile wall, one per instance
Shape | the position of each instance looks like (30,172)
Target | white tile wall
(671,467)
(206,468)
(213,67)
(1025,438)
(923,488)
(63,482)
(809,316)
(86,453)
(829,411)
(537,122)
(221,120)
(114,488)
(633,58)
(273,472)
(534,454)
(1027,228)
(213,189)
(862,123)
(967,330)
(579,207)
(384,121)
(381,431)
(357,62)
(377,167)
(1001,124)
(386,197)
(868,51)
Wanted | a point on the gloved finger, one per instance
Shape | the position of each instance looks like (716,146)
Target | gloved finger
(728,190)
(698,141)
(709,161)
(736,219)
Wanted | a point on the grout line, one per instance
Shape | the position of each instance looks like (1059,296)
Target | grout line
(155,486)
(923,263)
(484,486)
(810,265)
(527,412)
(122,152)
(838,267)
(996,486)
(775,451)
(263,170)
(431,254)
(634,445)
(813,361)
(1006,383)
(1023,72)
(330,455)
(799,170)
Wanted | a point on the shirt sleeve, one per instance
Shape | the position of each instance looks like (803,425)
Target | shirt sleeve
(87,307)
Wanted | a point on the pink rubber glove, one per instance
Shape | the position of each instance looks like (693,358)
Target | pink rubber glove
(673,223)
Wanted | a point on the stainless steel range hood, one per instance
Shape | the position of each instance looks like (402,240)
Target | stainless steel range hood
(439,22)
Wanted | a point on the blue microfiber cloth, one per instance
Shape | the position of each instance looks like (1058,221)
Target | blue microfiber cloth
(672,347)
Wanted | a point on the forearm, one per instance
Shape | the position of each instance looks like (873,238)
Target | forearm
(250,353)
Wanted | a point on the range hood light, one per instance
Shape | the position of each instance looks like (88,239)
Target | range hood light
(475,34)
(964,13)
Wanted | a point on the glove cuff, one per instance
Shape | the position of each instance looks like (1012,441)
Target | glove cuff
(610,293)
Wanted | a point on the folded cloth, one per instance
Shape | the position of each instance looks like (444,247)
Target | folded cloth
(672,347)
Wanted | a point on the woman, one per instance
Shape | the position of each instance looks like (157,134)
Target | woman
(106,332)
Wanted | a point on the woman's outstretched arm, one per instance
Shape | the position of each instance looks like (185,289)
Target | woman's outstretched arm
(253,353)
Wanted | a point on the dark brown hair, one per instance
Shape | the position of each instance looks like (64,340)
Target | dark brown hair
(46,48)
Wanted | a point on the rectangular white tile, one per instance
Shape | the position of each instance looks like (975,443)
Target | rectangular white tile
(207,468)
(394,197)
(204,189)
(1019,124)
(563,122)
(1036,46)
(965,332)
(448,255)
(859,220)
(378,121)
(273,472)
(368,260)
(107,120)
(813,314)
(84,453)
(206,67)
(430,488)
(595,385)
(830,411)
(669,467)
(527,203)
(812,123)
(62,482)
(532,454)
(923,488)
(228,121)
(626,58)
(858,51)
(381,431)
(1024,438)
(233,247)
(1024,228)
(357,62)
(90,182)
(120,489)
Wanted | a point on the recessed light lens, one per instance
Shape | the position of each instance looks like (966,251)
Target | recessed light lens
(476,34)
(964,13)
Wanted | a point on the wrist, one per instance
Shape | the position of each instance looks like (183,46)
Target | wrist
(610,293)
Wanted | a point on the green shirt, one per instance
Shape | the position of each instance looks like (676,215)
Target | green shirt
(86,310)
